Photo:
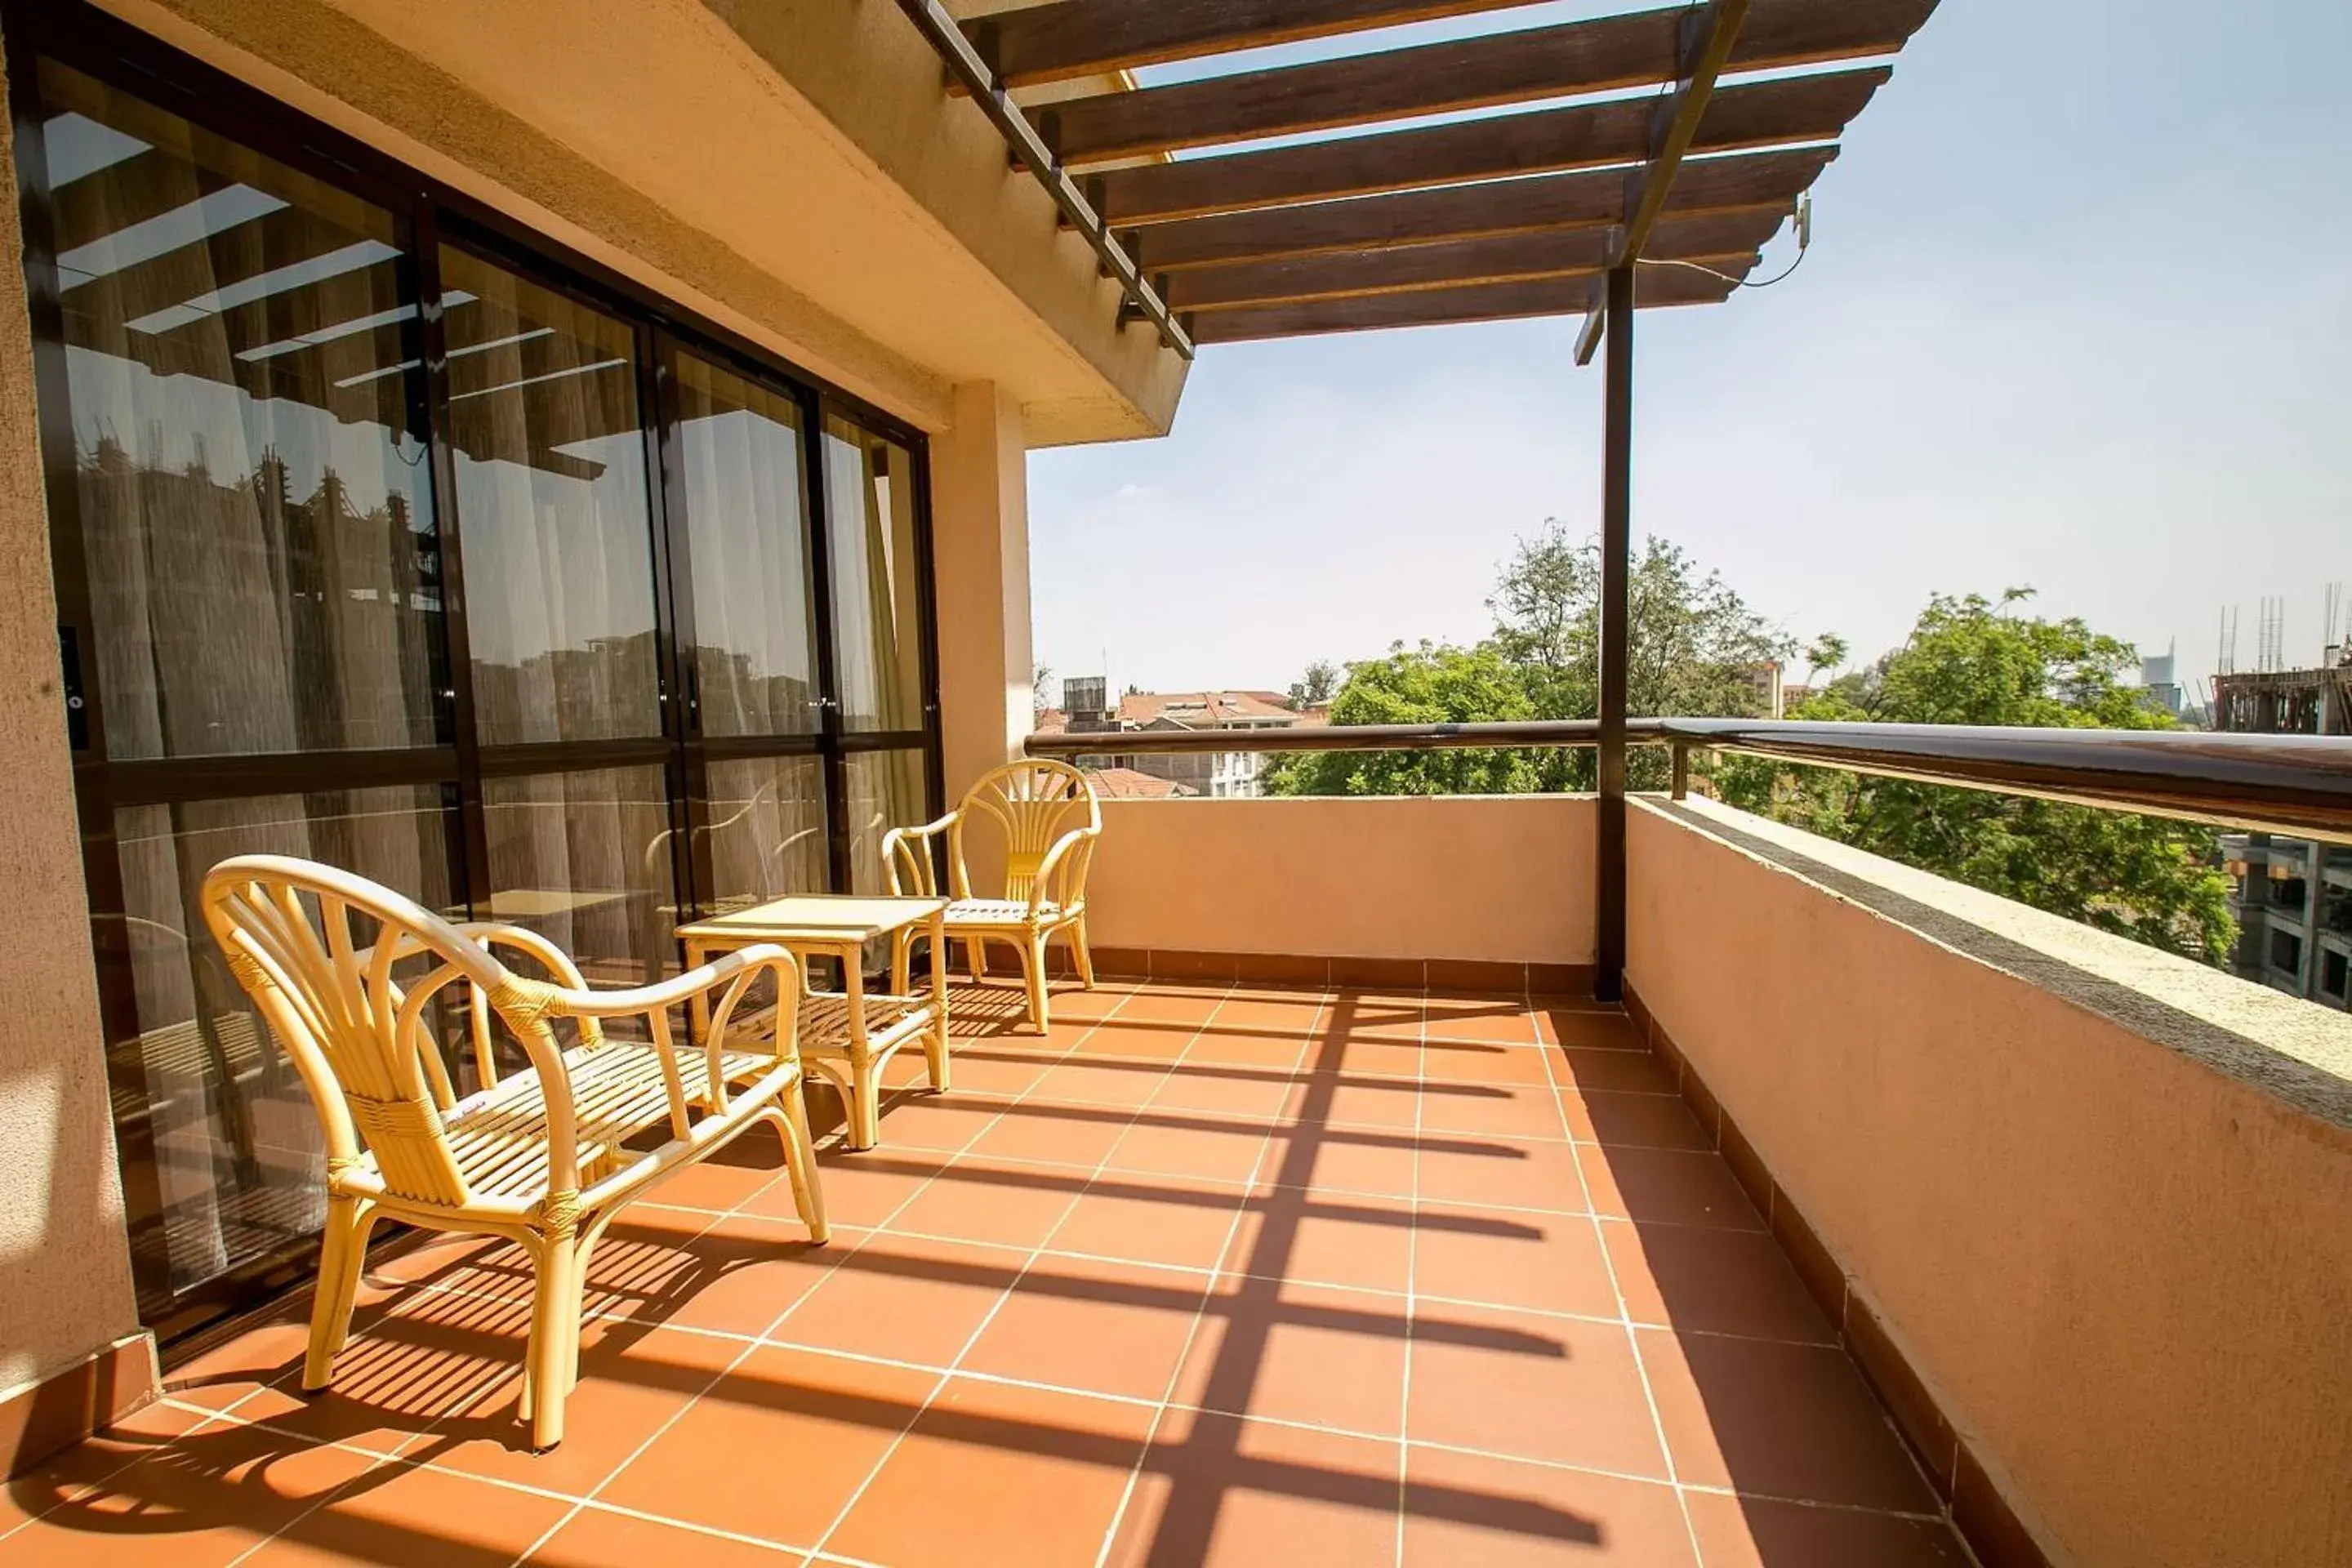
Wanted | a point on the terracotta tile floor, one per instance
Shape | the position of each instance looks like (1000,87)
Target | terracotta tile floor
(1206,1275)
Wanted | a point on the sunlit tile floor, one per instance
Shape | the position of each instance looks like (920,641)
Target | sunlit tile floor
(1208,1275)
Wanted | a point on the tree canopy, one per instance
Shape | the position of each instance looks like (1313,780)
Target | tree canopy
(1974,661)
(1697,649)
(1694,648)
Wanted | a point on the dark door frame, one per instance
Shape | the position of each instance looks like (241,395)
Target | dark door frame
(424,214)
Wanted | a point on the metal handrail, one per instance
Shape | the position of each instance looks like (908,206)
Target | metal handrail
(2296,784)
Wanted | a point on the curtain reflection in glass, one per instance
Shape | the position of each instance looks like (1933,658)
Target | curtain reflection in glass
(884,790)
(256,523)
(554,501)
(583,858)
(234,1139)
(738,444)
(767,830)
(869,490)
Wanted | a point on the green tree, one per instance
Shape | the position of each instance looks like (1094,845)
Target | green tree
(1693,647)
(1435,683)
(1317,684)
(1696,648)
(1974,661)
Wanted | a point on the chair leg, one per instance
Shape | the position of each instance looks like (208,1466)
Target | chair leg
(342,1251)
(975,951)
(800,1163)
(589,1236)
(554,1316)
(1082,953)
(1032,967)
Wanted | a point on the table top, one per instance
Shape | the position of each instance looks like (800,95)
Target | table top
(814,917)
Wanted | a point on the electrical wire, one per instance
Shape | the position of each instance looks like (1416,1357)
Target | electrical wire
(1727,278)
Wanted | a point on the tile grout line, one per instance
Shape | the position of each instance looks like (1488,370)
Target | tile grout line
(947,1377)
(1564,1466)
(753,1349)
(380,1462)
(1625,1321)
(1412,1280)
(1199,1315)
(398,1455)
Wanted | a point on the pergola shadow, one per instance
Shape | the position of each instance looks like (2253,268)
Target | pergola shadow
(440,1359)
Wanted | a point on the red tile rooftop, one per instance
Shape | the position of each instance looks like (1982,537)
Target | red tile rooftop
(1206,1275)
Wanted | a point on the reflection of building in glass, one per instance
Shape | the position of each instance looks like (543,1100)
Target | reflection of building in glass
(235,617)
(2294,915)
(569,691)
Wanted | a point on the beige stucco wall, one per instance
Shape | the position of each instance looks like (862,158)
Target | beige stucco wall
(64,1271)
(980,545)
(1503,879)
(2042,1156)
(794,172)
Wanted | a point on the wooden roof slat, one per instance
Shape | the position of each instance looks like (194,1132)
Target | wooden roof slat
(1707,45)
(1586,199)
(1725,241)
(1089,37)
(1815,108)
(1598,56)
(1653,287)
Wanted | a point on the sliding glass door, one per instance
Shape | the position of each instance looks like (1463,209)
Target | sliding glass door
(756,680)
(874,561)
(384,541)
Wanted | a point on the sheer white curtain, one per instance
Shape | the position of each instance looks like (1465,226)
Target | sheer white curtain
(256,532)
(741,448)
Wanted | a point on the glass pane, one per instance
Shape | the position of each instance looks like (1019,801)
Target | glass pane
(257,523)
(767,829)
(738,444)
(885,790)
(583,858)
(869,491)
(232,1133)
(554,508)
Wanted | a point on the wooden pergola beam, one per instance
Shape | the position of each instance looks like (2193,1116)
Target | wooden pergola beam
(1603,54)
(1091,37)
(1477,303)
(1708,44)
(1728,242)
(1591,199)
(1798,109)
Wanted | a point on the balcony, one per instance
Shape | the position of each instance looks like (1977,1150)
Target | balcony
(1885,1216)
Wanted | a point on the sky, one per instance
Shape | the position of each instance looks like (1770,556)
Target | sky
(2077,316)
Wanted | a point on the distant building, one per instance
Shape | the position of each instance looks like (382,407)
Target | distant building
(2294,902)
(1125,784)
(2159,686)
(2292,895)
(1771,694)
(1087,709)
(2287,701)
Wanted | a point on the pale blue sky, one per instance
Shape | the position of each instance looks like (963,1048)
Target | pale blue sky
(2076,316)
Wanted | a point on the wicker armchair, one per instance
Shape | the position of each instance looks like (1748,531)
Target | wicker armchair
(1049,820)
(346,974)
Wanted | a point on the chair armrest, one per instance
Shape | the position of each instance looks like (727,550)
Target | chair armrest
(732,976)
(900,845)
(581,1002)
(1065,861)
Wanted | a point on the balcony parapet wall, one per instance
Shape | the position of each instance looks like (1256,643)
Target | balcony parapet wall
(1482,891)
(2077,1204)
